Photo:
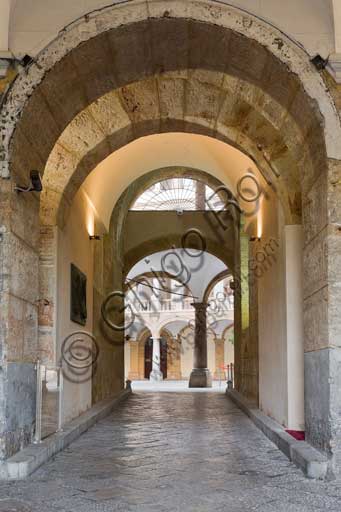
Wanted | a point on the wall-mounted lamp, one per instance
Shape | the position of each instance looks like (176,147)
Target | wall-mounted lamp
(35,185)
(255,239)
(94,237)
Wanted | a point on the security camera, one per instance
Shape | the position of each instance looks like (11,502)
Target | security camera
(319,62)
(35,185)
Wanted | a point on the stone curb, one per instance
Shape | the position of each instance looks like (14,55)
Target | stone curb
(313,463)
(25,462)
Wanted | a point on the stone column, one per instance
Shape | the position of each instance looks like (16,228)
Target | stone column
(200,376)
(156,374)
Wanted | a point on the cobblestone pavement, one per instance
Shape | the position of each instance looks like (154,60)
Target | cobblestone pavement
(171,452)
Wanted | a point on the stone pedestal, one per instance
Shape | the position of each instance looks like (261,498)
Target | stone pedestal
(200,376)
(156,374)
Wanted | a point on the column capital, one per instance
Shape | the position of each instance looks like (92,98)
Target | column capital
(200,305)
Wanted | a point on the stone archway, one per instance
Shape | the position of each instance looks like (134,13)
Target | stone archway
(216,280)
(263,97)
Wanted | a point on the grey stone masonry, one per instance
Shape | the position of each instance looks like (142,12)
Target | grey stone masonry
(25,462)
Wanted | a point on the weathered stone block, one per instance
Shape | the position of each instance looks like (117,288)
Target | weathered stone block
(14,314)
(216,42)
(279,84)
(264,134)
(317,399)
(246,60)
(121,137)
(50,201)
(303,111)
(315,267)
(82,134)
(131,49)
(141,100)
(64,92)
(24,159)
(172,97)
(20,264)
(206,76)
(203,102)
(334,191)
(334,316)
(233,113)
(323,403)
(315,314)
(30,323)
(169,33)
(25,217)
(60,167)
(94,61)
(40,135)
(315,209)
(19,415)
(109,113)
(313,160)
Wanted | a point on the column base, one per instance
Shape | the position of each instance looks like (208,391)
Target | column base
(200,378)
(155,376)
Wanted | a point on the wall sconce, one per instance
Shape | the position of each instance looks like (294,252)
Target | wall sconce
(94,237)
(35,185)
(255,238)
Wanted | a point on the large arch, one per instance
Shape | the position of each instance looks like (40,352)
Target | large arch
(120,214)
(258,92)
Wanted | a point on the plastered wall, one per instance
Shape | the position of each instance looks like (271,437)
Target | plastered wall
(280,321)
(74,247)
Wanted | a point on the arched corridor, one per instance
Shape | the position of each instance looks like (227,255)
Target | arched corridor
(170,218)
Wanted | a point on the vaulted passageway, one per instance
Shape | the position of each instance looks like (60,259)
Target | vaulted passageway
(158,107)
(171,452)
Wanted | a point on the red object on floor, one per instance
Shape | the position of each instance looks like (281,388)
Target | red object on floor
(299,435)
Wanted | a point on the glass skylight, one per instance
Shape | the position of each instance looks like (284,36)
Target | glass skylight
(180,194)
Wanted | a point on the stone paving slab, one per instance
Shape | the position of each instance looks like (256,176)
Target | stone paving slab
(178,452)
(313,463)
(25,462)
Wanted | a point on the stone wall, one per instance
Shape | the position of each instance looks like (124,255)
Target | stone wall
(19,260)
